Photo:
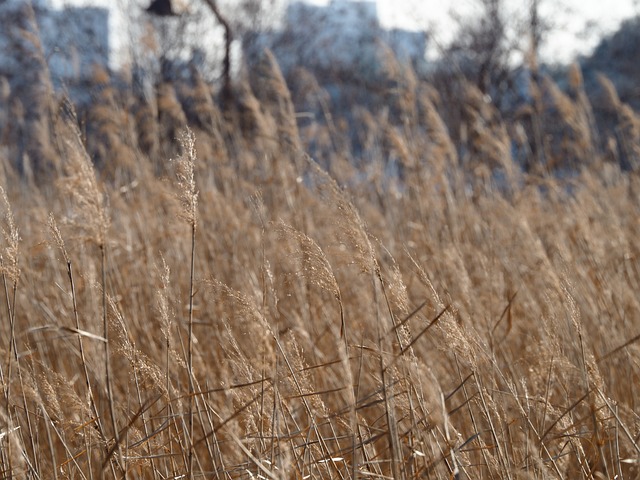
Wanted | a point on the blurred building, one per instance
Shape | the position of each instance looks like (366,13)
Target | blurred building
(75,38)
(343,36)
(72,38)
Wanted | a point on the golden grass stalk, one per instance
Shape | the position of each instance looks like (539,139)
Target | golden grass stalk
(10,271)
(188,195)
(270,88)
(314,266)
(59,241)
(91,216)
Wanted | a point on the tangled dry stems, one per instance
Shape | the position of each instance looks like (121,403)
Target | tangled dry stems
(446,323)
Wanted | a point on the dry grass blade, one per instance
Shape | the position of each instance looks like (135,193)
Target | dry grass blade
(315,266)
(188,195)
(123,432)
(460,385)
(422,332)
(425,329)
(618,348)
(633,441)
(63,329)
(506,313)
(233,416)
(255,461)
(411,315)
(566,411)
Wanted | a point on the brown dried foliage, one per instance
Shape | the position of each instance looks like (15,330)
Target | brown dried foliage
(492,329)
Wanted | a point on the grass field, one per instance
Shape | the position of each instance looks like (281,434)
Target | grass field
(246,311)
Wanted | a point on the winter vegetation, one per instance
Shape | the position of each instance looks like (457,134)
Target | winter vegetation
(394,280)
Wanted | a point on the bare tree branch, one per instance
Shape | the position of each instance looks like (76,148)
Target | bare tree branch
(228,38)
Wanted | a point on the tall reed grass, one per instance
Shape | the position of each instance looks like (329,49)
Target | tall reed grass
(244,312)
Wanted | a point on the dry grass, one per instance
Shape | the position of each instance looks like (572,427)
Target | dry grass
(238,313)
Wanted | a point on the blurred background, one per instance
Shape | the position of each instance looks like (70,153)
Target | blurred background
(502,48)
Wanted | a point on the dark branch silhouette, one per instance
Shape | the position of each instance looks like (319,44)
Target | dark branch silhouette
(162,8)
(228,38)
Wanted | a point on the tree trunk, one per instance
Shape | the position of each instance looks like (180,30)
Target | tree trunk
(226,63)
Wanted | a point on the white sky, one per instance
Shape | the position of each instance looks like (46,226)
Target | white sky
(577,24)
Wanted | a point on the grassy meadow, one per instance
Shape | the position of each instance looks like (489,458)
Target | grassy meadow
(213,302)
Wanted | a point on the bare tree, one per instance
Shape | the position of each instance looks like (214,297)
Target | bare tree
(228,39)
(495,42)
